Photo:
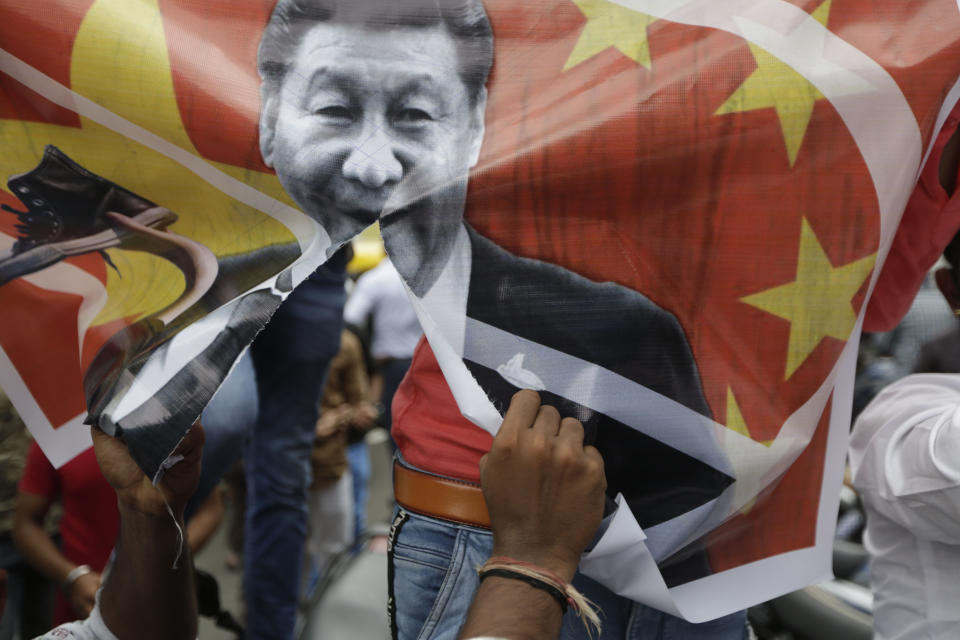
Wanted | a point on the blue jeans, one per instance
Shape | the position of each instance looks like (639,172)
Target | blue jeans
(359,459)
(227,422)
(433,578)
(291,357)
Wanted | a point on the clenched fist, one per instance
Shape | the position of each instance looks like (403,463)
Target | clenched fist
(544,489)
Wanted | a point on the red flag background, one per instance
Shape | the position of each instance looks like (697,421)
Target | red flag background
(673,159)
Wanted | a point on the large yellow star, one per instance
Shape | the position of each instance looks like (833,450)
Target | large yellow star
(775,84)
(818,304)
(120,61)
(611,25)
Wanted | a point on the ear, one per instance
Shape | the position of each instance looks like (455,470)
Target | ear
(478,129)
(948,288)
(269,105)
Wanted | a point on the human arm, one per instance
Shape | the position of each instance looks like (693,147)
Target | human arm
(145,596)
(38,491)
(344,405)
(905,455)
(356,385)
(545,493)
(205,521)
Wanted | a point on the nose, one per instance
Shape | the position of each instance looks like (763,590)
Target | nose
(373,162)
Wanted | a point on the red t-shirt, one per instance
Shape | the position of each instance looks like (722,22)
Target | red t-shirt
(428,428)
(90,521)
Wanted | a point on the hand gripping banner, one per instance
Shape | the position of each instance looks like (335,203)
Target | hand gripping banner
(666,216)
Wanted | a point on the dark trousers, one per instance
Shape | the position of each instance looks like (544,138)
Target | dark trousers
(291,358)
(29,609)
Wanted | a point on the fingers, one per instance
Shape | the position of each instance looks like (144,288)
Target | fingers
(97,433)
(595,464)
(106,444)
(523,411)
(532,427)
(593,454)
(547,423)
(571,433)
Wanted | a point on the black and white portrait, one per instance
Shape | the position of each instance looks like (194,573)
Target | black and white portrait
(375,111)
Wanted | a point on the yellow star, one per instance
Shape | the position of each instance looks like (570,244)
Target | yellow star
(818,304)
(775,84)
(611,25)
(120,61)
(735,420)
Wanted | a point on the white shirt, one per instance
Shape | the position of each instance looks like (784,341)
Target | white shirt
(93,628)
(380,293)
(905,457)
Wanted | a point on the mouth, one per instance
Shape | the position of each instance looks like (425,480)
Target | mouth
(323,207)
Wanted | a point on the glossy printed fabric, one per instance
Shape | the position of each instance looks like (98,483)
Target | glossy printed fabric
(664,215)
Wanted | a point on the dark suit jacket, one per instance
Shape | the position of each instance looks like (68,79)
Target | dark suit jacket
(620,330)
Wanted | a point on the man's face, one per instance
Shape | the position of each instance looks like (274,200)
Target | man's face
(374,122)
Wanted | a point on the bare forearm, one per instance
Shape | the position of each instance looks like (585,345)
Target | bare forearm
(146,551)
(40,551)
(506,608)
(205,521)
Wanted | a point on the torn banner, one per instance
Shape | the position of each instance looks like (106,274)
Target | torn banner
(664,215)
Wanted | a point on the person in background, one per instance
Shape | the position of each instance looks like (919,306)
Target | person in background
(379,303)
(941,353)
(88,528)
(344,410)
(235,490)
(379,300)
(906,468)
(30,594)
(291,357)
(927,319)
(227,423)
(149,591)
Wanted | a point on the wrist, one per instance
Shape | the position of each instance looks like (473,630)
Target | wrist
(148,512)
(73,575)
(147,500)
(563,565)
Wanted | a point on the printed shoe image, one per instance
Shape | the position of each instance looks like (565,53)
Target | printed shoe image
(68,214)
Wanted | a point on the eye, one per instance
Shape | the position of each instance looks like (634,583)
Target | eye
(334,112)
(413,116)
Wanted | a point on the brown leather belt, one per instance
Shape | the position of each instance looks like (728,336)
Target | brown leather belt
(444,498)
